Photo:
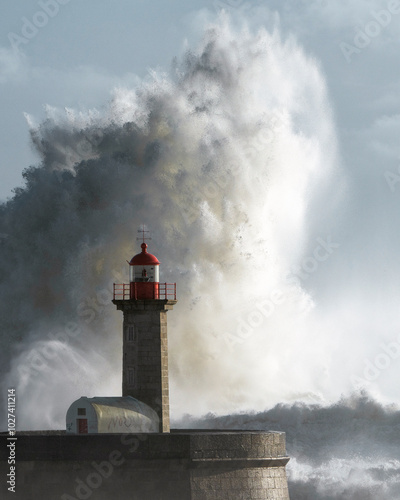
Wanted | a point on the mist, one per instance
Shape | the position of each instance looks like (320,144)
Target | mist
(348,450)
(227,158)
(221,158)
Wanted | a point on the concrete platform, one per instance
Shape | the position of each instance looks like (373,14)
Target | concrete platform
(181,465)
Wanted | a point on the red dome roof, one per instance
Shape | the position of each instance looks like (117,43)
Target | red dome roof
(144,258)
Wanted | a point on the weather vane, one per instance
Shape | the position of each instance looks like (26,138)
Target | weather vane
(143,230)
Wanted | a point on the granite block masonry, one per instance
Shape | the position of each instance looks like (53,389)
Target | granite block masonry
(180,465)
(163,465)
(145,354)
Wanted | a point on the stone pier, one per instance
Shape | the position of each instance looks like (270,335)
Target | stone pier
(181,465)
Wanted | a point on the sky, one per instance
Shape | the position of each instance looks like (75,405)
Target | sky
(88,48)
(78,55)
(75,60)
(85,50)
(259,140)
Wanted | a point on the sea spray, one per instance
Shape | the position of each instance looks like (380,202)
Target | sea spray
(348,450)
(221,159)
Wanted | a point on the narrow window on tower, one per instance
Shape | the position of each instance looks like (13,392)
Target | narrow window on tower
(131,377)
(131,334)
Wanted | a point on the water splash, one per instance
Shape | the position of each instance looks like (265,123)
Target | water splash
(222,158)
(348,450)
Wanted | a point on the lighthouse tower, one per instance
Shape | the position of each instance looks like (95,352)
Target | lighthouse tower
(145,303)
(182,464)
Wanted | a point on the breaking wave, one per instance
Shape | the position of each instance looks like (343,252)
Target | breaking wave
(225,158)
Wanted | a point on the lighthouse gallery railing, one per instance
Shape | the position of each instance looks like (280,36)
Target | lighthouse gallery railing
(127,291)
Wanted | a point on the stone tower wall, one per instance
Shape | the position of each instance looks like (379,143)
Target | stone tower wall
(145,354)
(168,466)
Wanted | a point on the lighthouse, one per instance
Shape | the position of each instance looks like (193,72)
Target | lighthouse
(186,464)
(145,302)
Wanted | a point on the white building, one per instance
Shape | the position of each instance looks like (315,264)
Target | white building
(110,415)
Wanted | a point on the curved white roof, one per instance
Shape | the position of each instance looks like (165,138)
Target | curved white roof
(112,415)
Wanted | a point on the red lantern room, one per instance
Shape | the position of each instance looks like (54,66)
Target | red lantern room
(144,275)
(144,279)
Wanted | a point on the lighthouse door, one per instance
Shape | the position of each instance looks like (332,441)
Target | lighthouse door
(82,425)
